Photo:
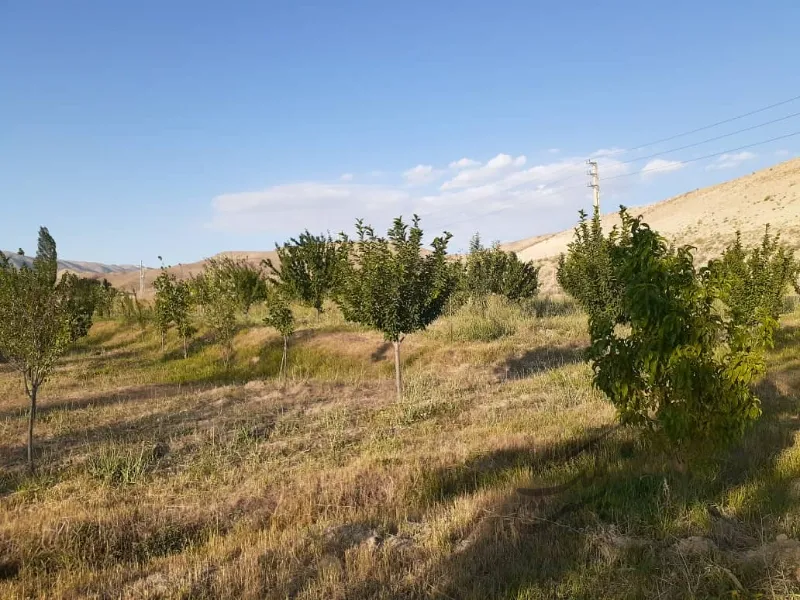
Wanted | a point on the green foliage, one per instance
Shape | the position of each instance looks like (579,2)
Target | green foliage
(36,321)
(83,295)
(133,311)
(246,280)
(667,359)
(173,307)
(308,268)
(389,285)
(586,272)
(117,466)
(216,291)
(494,271)
(46,261)
(106,298)
(758,279)
(280,317)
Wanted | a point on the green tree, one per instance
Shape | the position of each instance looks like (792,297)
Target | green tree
(494,271)
(389,285)
(82,296)
(586,272)
(182,304)
(164,286)
(757,278)
(35,322)
(46,261)
(280,317)
(247,279)
(308,268)
(216,291)
(666,357)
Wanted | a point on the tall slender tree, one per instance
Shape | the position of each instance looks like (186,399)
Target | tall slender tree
(36,322)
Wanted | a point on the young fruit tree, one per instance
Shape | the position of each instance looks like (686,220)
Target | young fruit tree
(388,284)
(494,271)
(36,321)
(758,279)
(247,280)
(280,317)
(666,357)
(308,268)
(173,307)
(216,291)
(586,272)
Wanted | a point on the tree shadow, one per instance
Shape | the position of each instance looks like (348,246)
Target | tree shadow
(609,527)
(538,360)
(788,336)
(381,352)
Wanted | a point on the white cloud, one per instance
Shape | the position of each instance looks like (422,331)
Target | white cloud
(346,177)
(553,151)
(660,165)
(421,174)
(312,205)
(729,161)
(607,152)
(491,170)
(521,201)
(781,153)
(464,163)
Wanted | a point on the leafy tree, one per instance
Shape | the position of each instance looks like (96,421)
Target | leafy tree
(248,281)
(36,322)
(757,278)
(82,296)
(280,317)
(182,302)
(106,297)
(164,286)
(586,272)
(216,291)
(46,261)
(308,268)
(390,286)
(666,357)
(494,271)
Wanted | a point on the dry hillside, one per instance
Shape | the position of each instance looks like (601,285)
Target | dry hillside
(706,218)
(130,281)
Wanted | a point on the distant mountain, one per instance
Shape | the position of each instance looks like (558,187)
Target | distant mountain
(74,266)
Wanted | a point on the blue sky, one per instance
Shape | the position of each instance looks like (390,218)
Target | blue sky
(186,128)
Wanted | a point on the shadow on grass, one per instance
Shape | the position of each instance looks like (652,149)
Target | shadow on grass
(538,360)
(609,526)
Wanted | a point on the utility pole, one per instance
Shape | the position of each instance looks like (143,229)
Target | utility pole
(141,278)
(595,184)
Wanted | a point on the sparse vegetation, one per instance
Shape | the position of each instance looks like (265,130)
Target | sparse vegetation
(500,473)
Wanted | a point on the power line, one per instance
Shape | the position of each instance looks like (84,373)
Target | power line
(699,158)
(717,124)
(713,139)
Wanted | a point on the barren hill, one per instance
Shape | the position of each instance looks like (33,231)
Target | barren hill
(129,281)
(706,218)
(73,266)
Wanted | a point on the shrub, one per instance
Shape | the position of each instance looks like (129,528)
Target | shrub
(586,272)
(494,271)
(666,357)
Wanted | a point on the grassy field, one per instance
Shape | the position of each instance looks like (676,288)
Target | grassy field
(168,478)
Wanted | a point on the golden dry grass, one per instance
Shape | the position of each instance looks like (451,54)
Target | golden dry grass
(165,478)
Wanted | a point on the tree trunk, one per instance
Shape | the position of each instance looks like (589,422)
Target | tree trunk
(398,375)
(284,359)
(32,394)
(163,340)
(185,348)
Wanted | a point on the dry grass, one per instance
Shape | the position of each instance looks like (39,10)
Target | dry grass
(165,478)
